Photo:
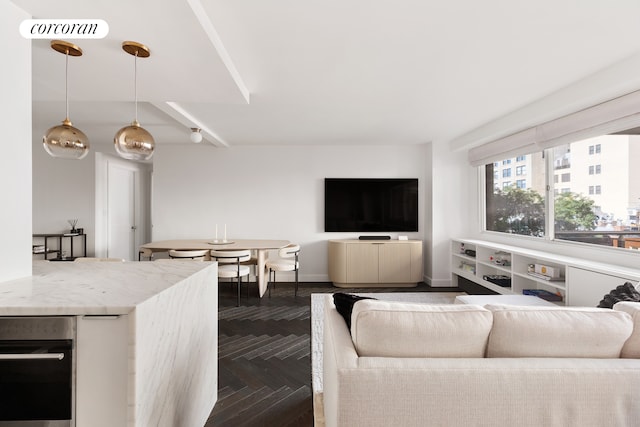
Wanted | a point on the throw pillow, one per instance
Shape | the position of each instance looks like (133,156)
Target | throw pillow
(344,305)
(626,292)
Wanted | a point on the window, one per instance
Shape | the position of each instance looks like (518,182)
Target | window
(517,209)
(521,158)
(506,162)
(582,212)
(506,173)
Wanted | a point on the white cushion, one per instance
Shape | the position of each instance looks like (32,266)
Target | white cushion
(227,271)
(282,264)
(394,329)
(631,348)
(520,331)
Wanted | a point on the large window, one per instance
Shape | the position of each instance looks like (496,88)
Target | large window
(595,186)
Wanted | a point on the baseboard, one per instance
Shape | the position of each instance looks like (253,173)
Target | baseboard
(438,283)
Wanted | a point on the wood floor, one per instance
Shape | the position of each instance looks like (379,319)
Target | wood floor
(264,355)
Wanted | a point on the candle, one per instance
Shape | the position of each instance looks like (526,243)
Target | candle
(225,233)
(216,233)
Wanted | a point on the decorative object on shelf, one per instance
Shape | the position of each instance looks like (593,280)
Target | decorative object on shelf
(545,295)
(72,223)
(196,135)
(498,279)
(133,142)
(66,141)
(470,252)
(501,258)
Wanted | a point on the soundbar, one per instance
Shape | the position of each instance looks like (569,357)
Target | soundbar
(375,237)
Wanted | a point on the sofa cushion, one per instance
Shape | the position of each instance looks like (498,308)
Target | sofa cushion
(631,348)
(394,329)
(625,292)
(557,332)
(344,304)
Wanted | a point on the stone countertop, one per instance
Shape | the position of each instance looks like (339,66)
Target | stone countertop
(91,288)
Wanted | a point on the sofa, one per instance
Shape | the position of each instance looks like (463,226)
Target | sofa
(405,365)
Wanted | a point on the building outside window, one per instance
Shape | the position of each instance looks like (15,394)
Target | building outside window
(581,212)
(521,170)
(521,158)
(506,173)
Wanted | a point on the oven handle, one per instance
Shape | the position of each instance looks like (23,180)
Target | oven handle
(32,356)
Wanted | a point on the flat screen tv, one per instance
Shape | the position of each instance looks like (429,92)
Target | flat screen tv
(371,204)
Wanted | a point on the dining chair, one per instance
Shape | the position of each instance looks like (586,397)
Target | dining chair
(287,261)
(144,252)
(230,266)
(195,255)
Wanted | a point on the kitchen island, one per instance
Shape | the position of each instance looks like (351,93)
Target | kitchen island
(146,336)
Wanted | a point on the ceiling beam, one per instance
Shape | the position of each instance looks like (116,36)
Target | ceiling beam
(215,40)
(182,116)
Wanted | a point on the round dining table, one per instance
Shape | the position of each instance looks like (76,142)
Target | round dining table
(261,246)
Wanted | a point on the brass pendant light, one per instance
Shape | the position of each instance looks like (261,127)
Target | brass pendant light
(134,142)
(65,141)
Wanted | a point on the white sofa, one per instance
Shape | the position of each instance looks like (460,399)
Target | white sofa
(464,365)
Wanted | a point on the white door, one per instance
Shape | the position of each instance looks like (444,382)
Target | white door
(121,212)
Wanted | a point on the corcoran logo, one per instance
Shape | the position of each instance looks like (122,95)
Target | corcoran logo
(64,28)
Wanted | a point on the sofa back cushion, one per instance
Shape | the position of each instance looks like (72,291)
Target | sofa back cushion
(394,329)
(557,332)
(631,348)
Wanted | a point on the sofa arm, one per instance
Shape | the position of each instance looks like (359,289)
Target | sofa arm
(631,348)
(338,354)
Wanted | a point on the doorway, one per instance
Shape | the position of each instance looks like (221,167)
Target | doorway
(122,207)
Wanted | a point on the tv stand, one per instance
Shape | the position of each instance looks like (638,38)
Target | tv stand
(375,263)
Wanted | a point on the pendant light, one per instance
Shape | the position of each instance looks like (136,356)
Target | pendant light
(134,142)
(65,141)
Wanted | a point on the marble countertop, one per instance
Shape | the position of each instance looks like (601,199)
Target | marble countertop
(91,288)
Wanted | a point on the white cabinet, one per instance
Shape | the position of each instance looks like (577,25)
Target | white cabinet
(354,263)
(102,371)
(577,282)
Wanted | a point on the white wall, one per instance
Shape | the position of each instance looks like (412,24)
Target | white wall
(269,192)
(15,145)
(452,212)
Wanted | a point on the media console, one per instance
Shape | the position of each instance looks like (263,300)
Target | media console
(375,263)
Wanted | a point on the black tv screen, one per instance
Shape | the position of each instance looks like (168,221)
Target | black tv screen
(371,204)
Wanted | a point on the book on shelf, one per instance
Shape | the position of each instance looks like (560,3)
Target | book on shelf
(541,293)
(543,276)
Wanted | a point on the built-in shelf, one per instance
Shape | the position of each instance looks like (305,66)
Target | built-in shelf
(579,282)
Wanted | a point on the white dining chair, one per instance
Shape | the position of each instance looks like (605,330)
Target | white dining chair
(230,266)
(144,252)
(287,261)
(195,255)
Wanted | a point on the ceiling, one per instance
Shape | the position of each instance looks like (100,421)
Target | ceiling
(295,72)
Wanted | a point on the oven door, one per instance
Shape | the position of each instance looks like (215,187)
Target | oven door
(37,371)
(35,380)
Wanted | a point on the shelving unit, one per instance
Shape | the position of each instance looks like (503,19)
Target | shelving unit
(580,282)
(57,248)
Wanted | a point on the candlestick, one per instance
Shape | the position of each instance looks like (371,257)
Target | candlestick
(216,239)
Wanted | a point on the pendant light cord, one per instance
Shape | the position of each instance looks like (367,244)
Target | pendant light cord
(135,84)
(66,83)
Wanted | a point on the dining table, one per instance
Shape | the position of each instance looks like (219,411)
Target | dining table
(261,246)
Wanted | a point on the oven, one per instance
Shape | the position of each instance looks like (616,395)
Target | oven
(37,371)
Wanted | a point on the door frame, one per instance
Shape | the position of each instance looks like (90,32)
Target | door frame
(142,189)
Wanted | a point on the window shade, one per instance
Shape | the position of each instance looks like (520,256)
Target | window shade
(608,117)
(510,146)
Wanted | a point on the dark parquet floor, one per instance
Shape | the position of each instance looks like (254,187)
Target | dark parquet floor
(264,351)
